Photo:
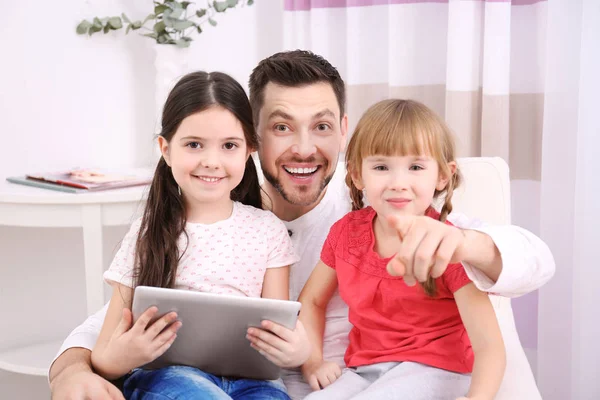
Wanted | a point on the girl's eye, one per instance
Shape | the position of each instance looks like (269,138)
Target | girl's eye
(194,145)
(281,128)
(230,146)
(380,168)
(416,168)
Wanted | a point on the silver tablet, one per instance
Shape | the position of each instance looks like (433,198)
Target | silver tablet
(213,332)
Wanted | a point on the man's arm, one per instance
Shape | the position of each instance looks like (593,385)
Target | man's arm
(71,375)
(83,338)
(525,262)
(505,260)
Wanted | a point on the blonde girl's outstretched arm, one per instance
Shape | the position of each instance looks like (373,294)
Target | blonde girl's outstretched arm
(122,347)
(315,297)
(482,327)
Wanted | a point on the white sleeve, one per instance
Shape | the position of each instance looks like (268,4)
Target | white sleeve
(122,267)
(527,263)
(86,334)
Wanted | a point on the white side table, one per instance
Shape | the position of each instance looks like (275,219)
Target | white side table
(33,207)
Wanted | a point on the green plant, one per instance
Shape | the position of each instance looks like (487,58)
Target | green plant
(172,22)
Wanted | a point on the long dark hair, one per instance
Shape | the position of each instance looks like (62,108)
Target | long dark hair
(163,223)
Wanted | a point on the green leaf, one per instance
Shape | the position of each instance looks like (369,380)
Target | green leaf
(177,13)
(106,29)
(201,13)
(127,21)
(176,5)
(94,28)
(180,25)
(250,2)
(198,28)
(152,35)
(212,22)
(160,9)
(128,29)
(232,3)
(159,27)
(83,27)
(148,18)
(220,6)
(97,23)
(183,42)
(115,23)
(136,25)
(164,38)
(185,4)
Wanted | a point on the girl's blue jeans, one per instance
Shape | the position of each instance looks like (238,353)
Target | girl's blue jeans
(181,382)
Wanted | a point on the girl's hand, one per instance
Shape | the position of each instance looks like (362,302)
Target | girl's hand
(321,374)
(131,347)
(281,346)
(428,246)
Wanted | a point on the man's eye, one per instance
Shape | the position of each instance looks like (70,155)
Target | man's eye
(323,127)
(230,146)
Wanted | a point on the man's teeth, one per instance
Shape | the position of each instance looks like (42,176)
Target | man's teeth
(208,179)
(300,170)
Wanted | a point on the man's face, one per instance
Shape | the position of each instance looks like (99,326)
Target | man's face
(302,135)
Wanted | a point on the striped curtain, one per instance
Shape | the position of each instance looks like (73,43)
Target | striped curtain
(479,64)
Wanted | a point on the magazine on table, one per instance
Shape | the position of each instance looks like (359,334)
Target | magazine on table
(82,180)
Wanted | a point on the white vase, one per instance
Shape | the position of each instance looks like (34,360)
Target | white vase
(171,63)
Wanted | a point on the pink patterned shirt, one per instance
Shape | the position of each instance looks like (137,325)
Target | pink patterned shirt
(228,257)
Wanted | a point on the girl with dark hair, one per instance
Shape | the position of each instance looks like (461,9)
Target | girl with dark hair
(202,229)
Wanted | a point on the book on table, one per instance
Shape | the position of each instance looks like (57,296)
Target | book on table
(82,180)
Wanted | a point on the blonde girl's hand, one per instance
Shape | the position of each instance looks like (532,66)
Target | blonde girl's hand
(321,375)
(130,347)
(428,246)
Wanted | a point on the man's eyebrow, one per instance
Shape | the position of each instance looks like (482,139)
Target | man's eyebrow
(280,114)
(325,113)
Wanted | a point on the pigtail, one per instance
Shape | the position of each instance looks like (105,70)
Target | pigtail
(453,183)
(356,196)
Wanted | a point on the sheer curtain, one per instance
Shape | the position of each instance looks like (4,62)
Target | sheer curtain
(516,79)
(569,327)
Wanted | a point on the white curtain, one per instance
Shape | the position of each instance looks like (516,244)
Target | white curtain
(516,79)
(569,327)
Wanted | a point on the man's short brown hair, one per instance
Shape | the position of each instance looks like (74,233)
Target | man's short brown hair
(294,69)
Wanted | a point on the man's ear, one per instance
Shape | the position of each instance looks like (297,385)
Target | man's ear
(344,130)
(443,180)
(164,149)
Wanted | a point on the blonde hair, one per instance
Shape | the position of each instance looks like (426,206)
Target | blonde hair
(397,127)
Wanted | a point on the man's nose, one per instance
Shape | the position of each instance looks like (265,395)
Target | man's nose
(304,147)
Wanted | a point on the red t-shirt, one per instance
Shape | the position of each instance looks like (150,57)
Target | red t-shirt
(393,321)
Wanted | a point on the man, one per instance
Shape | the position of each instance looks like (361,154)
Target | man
(298,100)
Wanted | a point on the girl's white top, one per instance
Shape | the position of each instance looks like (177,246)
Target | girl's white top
(227,257)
